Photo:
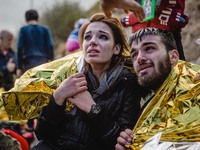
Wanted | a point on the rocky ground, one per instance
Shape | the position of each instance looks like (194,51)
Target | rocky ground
(192,31)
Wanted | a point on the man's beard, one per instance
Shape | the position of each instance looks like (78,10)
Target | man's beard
(155,81)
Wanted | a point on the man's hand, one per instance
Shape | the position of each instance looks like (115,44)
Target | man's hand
(10,65)
(124,138)
(19,73)
(127,5)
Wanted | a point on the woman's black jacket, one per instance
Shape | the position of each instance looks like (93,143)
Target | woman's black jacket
(74,130)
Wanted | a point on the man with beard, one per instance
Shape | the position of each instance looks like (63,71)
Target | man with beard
(172,106)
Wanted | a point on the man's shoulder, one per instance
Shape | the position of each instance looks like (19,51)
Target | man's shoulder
(25,27)
(44,27)
(34,25)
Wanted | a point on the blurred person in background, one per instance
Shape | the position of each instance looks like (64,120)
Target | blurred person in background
(7,60)
(72,42)
(127,5)
(10,133)
(34,47)
(35,44)
(8,143)
(11,137)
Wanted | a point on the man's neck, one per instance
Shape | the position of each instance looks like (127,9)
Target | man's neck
(32,22)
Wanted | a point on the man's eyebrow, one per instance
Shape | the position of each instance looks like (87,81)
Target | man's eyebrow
(147,43)
(143,44)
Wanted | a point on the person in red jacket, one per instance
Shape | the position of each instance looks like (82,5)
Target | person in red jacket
(127,5)
(169,15)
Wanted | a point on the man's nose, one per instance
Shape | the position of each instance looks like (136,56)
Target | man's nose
(141,58)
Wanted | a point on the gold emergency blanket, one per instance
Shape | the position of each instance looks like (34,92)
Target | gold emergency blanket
(33,89)
(174,110)
(3,114)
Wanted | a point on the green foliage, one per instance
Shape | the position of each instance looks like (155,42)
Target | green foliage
(61,19)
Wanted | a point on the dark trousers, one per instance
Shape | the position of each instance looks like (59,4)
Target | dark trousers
(33,61)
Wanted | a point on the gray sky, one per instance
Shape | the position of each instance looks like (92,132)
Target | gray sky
(12,11)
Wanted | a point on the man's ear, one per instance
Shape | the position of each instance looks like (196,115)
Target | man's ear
(174,57)
(117,49)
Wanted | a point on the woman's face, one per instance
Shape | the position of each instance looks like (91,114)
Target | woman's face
(98,44)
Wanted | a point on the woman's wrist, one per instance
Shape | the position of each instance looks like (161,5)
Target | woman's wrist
(95,109)
(58,99)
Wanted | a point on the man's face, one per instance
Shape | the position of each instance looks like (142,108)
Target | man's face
(6,42)
(150,61)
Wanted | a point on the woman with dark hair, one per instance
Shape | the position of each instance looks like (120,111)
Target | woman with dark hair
(105,95)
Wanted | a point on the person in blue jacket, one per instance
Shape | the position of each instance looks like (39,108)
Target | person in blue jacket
(35,44)
(34,47)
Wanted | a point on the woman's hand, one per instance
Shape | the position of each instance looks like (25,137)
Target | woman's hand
(127,5)
(124,138)
(83,101)
(69,87)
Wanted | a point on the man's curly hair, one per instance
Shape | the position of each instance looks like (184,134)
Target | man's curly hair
(8,143)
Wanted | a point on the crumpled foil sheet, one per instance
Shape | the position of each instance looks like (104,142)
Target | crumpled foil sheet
(34,88)
(174,110)
(154,143)
(3,113)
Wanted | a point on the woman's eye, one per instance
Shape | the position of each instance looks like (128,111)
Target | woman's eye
(87,37)
(104,37)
